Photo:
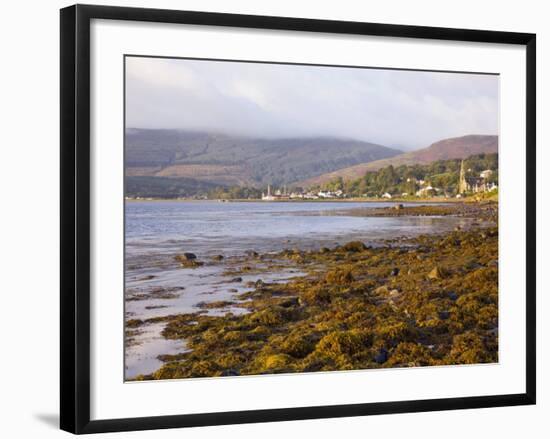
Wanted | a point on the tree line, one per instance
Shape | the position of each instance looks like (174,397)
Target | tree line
(407,179)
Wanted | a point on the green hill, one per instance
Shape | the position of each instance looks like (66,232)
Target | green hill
(453,148)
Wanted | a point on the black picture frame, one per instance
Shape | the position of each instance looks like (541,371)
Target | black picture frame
(75,217)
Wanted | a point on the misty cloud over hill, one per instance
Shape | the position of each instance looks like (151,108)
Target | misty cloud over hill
(398,108)
(229,160)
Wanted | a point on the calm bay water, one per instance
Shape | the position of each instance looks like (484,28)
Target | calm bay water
(208,227)
(158,230)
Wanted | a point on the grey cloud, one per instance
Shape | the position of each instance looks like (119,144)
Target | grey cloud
(390,107)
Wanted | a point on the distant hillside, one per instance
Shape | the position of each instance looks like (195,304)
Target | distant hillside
(454,148)
(230,160)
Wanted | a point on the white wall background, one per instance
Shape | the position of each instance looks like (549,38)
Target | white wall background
(29,248)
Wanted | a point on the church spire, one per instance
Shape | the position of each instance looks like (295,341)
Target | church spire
(462,179)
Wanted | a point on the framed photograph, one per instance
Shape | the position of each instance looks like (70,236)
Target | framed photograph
(268,219)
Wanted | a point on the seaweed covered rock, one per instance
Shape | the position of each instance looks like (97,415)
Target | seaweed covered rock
(436,273)
(471,348)
(381,290)
(191,264)
(339,276)
(316,295)
(188,260)
(394,332)
(186,257)
(277,361)
(272,316)
(408,354)
(354,246)
(175,370)
(298,344)
(340,343)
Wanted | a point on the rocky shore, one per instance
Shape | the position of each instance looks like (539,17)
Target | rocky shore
(484,211)
(429,300)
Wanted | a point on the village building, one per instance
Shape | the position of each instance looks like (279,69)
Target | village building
(268,196)
(311,196)
(330,194)
(475,184)
(427,191)
(278,195)
(486,174)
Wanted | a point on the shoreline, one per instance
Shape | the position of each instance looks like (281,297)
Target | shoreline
(401,304)
(324,200)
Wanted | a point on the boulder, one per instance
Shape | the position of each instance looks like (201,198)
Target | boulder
(229,373)
(452,295)
(394,272)
(381,356)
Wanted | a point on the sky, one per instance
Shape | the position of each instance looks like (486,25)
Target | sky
(396,108)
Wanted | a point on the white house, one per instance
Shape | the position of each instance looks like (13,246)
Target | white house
(428,190)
